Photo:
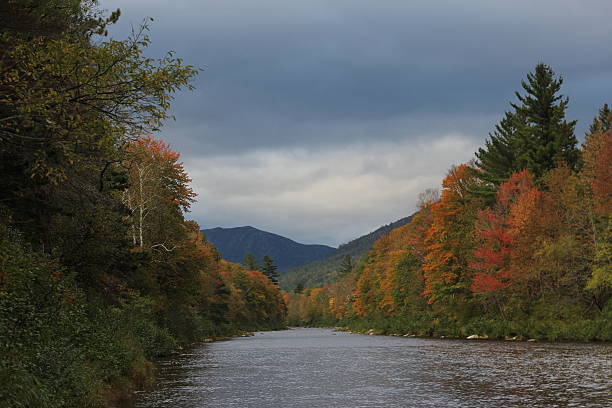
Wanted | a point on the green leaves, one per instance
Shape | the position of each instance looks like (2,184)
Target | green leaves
(534,136)
(80,306)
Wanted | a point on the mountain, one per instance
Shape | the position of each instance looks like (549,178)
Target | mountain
(234,243)
(325,270)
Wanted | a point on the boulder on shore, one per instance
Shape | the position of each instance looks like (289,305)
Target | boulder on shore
(515,338)
(477,337)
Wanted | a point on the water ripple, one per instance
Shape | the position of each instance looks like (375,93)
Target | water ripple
(322,368)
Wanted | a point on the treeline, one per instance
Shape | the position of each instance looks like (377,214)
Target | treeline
(99,270)
(518,243)
(329,268)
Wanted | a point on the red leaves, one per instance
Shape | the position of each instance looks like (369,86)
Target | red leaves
(498,228)
(601,183)
(517,184)
(164,170)
(483,282)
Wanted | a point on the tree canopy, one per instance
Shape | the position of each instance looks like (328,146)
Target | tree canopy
(100,272)
(533,136)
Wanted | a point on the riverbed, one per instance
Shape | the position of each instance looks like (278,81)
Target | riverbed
(326,368)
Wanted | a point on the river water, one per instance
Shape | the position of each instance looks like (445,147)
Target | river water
(323,368)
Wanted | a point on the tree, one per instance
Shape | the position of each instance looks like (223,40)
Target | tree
(427,197)
(346,266)
(82,307)
(299,288)
(603,121)
(498,160)
(450,238)
(269,269)
(250,263)
(159,191)
(596,175)
(547,136)
(533,136)
(497,244)
(69,101)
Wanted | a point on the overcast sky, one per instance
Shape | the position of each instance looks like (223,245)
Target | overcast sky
(322,120)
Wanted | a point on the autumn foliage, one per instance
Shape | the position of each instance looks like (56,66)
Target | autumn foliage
(498,230)
(100,272)
(449,239)
(534,261)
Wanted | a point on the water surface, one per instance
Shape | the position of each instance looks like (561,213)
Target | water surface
(323,368)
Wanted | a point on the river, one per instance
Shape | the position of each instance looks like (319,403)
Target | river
(324,368)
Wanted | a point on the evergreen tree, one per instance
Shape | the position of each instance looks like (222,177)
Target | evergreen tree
(547,136)
(347,265)
(269,269)
(497,160)
(249,262)
(299,288)
(533,136)
(603,121)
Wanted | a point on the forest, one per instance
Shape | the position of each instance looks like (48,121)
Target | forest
(100,270)
(518,243)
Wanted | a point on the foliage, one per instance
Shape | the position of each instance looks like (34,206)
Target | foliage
(329,269)
(269,269)
(99,270)
(531,261)
(450,239)
(250,263)
(159,190)
(533,136)
(43,328)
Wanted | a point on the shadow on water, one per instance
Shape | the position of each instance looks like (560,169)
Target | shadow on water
(323,368)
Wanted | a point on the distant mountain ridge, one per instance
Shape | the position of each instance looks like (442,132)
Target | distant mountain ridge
(234,243)
(325,270)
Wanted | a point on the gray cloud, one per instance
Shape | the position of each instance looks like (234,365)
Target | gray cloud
(323,195)
(322,76)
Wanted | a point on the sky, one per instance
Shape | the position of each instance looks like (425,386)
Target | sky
(323,120)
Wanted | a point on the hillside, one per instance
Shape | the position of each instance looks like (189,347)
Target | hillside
(325,270)
(234,243)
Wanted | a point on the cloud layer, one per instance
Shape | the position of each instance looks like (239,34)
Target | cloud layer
(323,195)
(305,84)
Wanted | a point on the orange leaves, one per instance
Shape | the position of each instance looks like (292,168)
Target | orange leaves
(377,281)
(601,182)
(158,192)
(491,264)
(522,212)
(253,299)
(450,238)
(518,199)
(518,183)
(154,160)
(498,230)
(457,183)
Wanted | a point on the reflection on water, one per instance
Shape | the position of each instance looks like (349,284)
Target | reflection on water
(323,368)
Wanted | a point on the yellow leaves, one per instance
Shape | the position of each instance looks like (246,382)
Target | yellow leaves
(601,274)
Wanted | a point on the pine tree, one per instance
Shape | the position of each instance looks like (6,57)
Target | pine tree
(533,136)
(603,121)
(347,265)
(547,136)
(269,269)
(299,288)
(249,262)
(497,161)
